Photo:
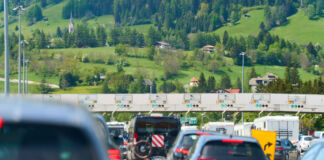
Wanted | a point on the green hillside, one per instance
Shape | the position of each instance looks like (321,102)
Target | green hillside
(245,26)
(302,30)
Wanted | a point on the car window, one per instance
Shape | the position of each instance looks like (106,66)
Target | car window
(278,143)
(231,151)
(311,153)
(308,138)
(49,142)
(188,140)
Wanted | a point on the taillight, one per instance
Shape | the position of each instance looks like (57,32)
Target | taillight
(135,137)
(1,122)
(203,134)
(232,141)
(279,149)
(183,151)
(125,143)
(113,154)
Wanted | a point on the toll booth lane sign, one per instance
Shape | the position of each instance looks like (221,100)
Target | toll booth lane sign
(267,140)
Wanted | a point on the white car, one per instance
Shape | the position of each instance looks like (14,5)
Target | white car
(304,143)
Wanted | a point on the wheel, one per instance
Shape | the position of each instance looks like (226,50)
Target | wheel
(143,149)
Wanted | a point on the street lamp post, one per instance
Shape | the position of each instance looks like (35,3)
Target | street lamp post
(27,61)
(19,8)
(24,42)
(6,46)
(242,54)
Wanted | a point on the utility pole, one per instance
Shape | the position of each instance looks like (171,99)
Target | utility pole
(19,8)
(27,61)
(6,45)
(24,42)
(242,54)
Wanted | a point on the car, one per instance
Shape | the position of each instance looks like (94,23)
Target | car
(304,143)
(118,136)
(316,152)
(151,136)
(226,147)
(104,132)
(34,130)
(184,141)
(285,150)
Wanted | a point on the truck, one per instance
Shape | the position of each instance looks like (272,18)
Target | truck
(222,127)
(243,129)
(287,127)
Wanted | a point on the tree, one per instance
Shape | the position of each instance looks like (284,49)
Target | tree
(238,83)
(235,16)
(202,85)
(295,75)
(211,84)
(44,88)
(225,38)
(287,73)
(34,14)
(105,88)
(43,3)
(311,49)
(226,82)
(179,87)
(59,32)
(121,50)
(253,73)
(311,11)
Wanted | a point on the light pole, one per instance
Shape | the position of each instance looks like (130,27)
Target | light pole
(24,42)
(27,61)
(19,8)
(6,46)
(242,54)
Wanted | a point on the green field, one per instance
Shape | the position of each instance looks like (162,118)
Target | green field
(245,26)
(302,30)
(14,88)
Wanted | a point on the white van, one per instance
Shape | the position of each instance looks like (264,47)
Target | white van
(243,129)
(287,127)
(222,127)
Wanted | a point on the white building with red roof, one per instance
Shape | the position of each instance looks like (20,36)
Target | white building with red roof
(194,82)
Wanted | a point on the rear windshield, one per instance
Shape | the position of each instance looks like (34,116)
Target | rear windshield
(308,138)
(44,142)
(116,135)
(157,125)
(232,151)
(188,140)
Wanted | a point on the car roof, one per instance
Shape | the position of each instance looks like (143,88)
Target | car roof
(23,110)
(220,137)
(195,131)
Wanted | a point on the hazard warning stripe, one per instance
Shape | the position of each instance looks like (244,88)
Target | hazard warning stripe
(157,141)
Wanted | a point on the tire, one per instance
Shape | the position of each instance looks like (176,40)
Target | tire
(137,149)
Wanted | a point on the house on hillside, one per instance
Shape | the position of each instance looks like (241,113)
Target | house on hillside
(255,82)
(208,48)
(194,82)
(163,45)
(226,91)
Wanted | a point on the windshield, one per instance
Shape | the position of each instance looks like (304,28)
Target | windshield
(308,138)
(188,140)
(232,151)
(44,142)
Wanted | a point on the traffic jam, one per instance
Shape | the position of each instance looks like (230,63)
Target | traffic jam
(30,131)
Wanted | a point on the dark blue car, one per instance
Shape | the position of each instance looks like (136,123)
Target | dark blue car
(216,147)
(184,141)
